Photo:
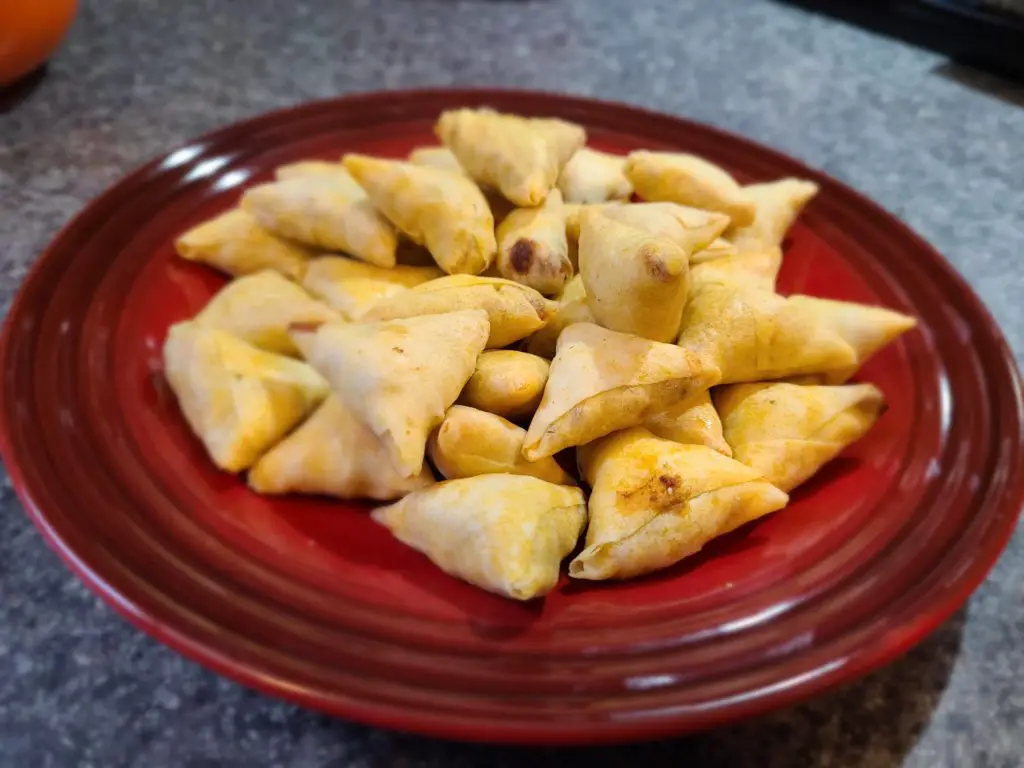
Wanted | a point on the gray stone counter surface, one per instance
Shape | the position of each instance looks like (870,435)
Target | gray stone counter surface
(941,147)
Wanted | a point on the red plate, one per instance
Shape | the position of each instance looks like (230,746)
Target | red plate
(309,600)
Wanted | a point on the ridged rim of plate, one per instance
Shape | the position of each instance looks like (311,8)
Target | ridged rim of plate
(237,615)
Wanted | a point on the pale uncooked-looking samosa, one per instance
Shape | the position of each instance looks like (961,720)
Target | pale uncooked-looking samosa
(442,210)
(758,269)
(654,502)
(787,432)
(570,308)
(351,287)
(689,180)
(471,442)
(400,376)
(239,400)
(436,157)
(335,454)
(693,230)
(258,308)
(865,328)
(695,422)
(504,533)
(533,249)
(601,381)
(591,176)
(778,204)
(636,282)
(519,156)
(507,383)
(325,210)
(234,242)
(515,310)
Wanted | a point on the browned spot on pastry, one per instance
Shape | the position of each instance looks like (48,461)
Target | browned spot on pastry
(521,255)
(655,264)
(670,483)
(399,350)
(305,327)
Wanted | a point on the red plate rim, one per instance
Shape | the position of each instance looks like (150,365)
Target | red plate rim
(149,611)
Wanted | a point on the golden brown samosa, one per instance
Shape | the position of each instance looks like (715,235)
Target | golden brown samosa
(601,381)
(717,249)
(636,282)
(472,442)
(400,376)
(533,249)
(787,432)
(865,328)
(234,242)
(442,210)
(570,308)
(239,400)
(778,204)
(507,383)
(325,210)
(521,157)
(757,269)
(592,176)
(654,502)
(258,308)
(335,454)
(312,168)
(753,334)
(694,422)
(436,157)
(504,533)
(693,230)
(689,180)
(515,310)
(351,287)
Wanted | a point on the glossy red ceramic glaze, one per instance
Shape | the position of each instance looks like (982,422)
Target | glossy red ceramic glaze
(310,600)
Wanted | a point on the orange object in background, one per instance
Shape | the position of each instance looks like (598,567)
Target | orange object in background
(30,30)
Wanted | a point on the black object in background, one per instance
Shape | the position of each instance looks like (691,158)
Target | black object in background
(987,34)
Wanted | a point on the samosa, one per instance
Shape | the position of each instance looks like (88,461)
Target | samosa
(691,229)
(570,308)
(787,432)
(336,454)
(507,534)
(694,422)
(689,180)
(258,308)
(239,400)
(654,502)
(519,156)
(757,269)
(717,249)
(592,176)
(312,168)
(515,310)
(442,210)
(533,249)
(778,205)
(436,157)
(507,383)
(472,442)
(326,210)
(601,381)
(399,377)
(636,282)
(234,242)
(351,287)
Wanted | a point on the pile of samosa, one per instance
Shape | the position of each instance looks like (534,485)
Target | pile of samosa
(497,311)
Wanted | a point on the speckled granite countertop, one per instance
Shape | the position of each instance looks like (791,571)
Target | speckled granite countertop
(940,147)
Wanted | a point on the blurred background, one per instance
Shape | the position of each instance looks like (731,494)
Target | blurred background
(934,139)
